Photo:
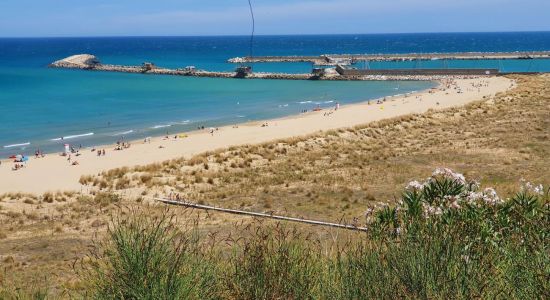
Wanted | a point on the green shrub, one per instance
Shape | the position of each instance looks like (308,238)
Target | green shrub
(274,263)
(446,239)
(145,257)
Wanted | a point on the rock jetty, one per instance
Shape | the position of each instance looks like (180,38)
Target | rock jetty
(345,59)
(80,61)
(92,63)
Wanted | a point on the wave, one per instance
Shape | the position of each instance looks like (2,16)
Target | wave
(330,101)
(239,116)
(304,102)
(17,145)
(72,136)
(161,126)
(123,133)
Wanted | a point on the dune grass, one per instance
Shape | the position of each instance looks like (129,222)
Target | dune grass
(447,239)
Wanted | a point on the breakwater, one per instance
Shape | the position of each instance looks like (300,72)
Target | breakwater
(340,72)
(90,62)
(342,59)
(415,72)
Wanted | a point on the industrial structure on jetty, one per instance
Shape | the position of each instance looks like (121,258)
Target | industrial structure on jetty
(325,67)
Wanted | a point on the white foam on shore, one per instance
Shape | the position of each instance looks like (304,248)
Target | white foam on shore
(72,136)
(161,126)
(17,145)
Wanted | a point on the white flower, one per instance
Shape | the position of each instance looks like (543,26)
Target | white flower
(473,197)
(490,196)
(449,174)
(431,210)
(415,186)
(527,186)
(539,189)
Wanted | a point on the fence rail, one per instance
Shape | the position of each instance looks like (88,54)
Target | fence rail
(259,215)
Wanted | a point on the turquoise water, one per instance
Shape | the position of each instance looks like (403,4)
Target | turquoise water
(39,105)
(49,104)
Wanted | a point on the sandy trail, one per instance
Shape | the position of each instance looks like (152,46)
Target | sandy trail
(54,172)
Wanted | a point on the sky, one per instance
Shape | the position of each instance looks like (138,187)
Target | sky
(48,18)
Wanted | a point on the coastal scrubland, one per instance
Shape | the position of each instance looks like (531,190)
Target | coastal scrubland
(62,244)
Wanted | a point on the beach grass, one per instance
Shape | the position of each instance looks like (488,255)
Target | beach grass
(447,239)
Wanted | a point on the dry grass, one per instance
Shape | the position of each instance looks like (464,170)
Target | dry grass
(337,173)
(332,176)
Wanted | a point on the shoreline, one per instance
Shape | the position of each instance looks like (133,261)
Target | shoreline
(54,172)
(67,139)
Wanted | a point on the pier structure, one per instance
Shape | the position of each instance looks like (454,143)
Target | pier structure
(338,59)
(341,71)
(90,62)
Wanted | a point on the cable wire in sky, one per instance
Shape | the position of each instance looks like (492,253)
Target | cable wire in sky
(253,28)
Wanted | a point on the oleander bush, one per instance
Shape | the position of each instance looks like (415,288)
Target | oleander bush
(446,239)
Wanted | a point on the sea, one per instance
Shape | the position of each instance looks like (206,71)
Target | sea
(44,108)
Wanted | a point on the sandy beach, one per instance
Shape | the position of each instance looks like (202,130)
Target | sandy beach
(54,172)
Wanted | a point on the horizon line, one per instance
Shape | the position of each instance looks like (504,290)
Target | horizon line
(266,35)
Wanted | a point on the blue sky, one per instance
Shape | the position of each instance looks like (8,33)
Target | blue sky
(22,18)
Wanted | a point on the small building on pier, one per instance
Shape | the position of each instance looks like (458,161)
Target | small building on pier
(148,66)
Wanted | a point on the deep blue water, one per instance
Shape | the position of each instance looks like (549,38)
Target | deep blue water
(39,105)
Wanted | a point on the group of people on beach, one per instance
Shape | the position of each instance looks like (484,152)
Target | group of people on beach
(39,154)
(99,152)
(18,166)
(121,145)
(318,108)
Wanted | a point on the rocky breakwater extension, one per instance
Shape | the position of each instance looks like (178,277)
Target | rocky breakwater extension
(80,61)
(90,62)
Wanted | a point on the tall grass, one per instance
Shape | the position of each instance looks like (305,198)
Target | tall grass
(447,239)
(145,257)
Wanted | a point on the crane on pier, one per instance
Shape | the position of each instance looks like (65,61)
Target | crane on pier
(244,69)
